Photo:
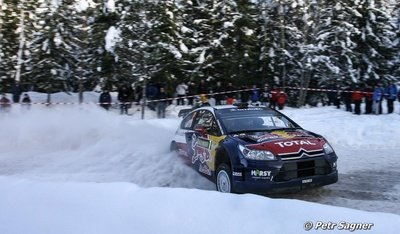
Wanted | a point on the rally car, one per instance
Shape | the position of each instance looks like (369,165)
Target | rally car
(252,149)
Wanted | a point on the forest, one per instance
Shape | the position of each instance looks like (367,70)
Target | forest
(70,45)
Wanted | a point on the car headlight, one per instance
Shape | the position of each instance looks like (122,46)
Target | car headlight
(327,148)
(256,154)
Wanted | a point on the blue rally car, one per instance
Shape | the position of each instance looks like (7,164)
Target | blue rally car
(254,149)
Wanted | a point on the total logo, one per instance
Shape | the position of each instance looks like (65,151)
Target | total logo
(259,173)
(291,143)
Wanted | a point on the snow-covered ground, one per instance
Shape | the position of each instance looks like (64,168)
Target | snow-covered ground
(80,169)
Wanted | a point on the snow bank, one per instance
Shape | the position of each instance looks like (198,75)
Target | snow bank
(33,207)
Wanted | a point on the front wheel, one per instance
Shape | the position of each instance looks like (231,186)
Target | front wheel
(224,179)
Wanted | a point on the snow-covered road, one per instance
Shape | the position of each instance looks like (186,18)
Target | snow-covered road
(86,144)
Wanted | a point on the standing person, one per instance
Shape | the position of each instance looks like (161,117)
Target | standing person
(377,99)
(368,91)
(244,95)
(356,97)
(124,97)
(5,104)
(332,93)
(254,95)
(105,99)
(26,101)
(16,92)
(191,93)
(202,87)
(265,95)
(391,94)
(181,90)
(218,96)
(281,99)
(229,95)
(347,98)
(162,103)
(273,97)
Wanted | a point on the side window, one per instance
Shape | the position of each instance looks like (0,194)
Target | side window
(207,120)
(187,123)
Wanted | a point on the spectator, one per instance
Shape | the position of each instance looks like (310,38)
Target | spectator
(368,99)
(332,93)
(105,99)
(162,103)
(281,99)
(191,93)
(347,98)
(265,95)
(230,94)
(377,99)
(124,97)
(218,96)
(202,87)
(273,97)
(26,101)
(5,104)
(356,97)
(391,94)
(16,92)
(151,93)
(245,94)
(254,95)
(181,90)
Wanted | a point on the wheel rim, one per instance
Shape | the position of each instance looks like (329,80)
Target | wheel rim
(223,182)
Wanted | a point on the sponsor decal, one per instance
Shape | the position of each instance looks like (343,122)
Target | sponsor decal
(257,174)
(267,137)
(306,181)
(260,173)
(292,143)
(247,109)
(236,173)
(204,169)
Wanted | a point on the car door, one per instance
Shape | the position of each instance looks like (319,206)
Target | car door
(203,141)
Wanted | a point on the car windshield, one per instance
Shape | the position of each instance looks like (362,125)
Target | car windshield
(253,119)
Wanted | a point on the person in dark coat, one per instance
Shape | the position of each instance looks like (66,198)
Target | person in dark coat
(347,98)
(125,98)
(218,96)
(368,99)
(105,100)
(245,94)
(229,95)
(254,94)
(26,101)
(5,104)
(390,95)
(16,92)
(273,97)
(265,95)
(202,88)
(162,103)
(332,93)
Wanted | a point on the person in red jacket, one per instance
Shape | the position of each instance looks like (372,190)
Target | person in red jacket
(356,97)
(273,97)
(281,99)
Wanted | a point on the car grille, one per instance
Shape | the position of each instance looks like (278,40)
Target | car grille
(301,153)
(301,169)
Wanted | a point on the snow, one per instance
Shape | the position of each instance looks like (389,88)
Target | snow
(112,37)
(80,169)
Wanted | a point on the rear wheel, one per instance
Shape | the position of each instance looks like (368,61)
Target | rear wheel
(223,179)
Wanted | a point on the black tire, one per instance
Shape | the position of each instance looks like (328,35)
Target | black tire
(223,179)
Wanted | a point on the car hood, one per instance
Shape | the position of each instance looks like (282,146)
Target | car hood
(284,142)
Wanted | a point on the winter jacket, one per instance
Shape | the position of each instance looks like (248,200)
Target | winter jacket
(378,94)
(356,96)
(391,92)
(281,98)
(255,97)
